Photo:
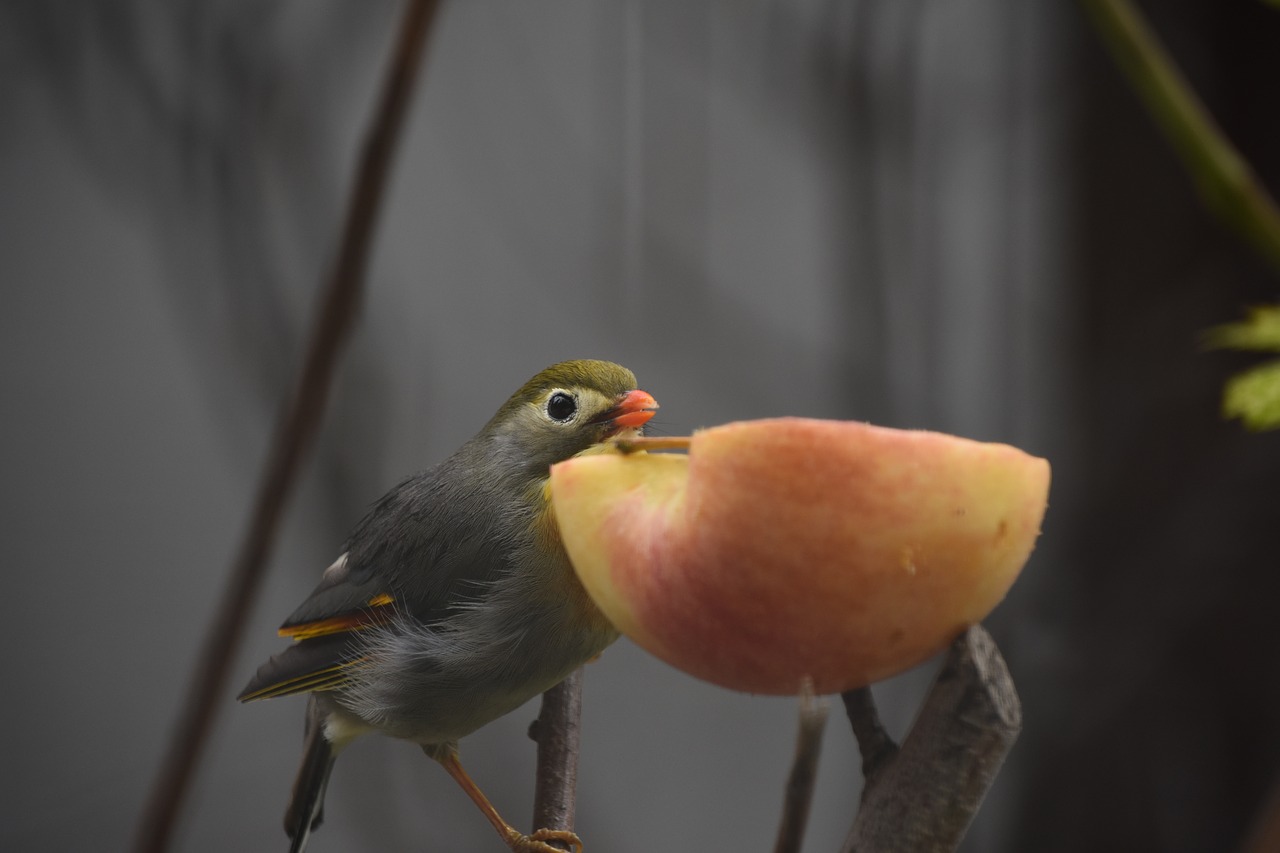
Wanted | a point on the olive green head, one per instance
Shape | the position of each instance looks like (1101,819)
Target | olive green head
(568,408)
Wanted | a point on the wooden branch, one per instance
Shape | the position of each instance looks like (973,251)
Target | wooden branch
(557,732)
(924,797)
(804,771)
(1224,178)
(293,437)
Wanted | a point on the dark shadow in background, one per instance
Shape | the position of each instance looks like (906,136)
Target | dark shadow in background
(1164,732)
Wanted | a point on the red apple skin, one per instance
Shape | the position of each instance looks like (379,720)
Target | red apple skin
(791,549)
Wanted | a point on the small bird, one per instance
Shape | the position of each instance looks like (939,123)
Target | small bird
(454,602)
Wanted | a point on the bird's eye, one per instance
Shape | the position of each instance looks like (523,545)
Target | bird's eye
(561,406)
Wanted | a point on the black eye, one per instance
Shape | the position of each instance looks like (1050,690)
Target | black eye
(561,406)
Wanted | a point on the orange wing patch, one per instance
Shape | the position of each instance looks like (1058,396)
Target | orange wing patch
(375,612)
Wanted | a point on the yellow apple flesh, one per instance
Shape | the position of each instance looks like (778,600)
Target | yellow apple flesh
(790,549)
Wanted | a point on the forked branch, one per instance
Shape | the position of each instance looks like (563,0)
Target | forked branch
(923,796)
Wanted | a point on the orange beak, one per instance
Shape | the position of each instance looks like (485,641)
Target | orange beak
(633,409)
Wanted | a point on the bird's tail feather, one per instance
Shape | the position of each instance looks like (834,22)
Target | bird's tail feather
(306,806)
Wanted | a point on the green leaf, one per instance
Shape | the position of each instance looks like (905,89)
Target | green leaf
(1254,397)
(1260,331)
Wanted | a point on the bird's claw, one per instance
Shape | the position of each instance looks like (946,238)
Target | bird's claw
(537,842)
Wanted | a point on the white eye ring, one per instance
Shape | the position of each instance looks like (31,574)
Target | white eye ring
(561,407)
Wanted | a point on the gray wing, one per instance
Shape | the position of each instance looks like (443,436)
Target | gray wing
(422,550)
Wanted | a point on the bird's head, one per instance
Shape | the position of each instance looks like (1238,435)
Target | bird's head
(568,408)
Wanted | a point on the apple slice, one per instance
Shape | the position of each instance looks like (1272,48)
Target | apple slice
(791,549)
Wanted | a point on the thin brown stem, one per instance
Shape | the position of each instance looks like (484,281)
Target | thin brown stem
(654,442)
(557,732)
(874,743)
(294,434)
(804,773)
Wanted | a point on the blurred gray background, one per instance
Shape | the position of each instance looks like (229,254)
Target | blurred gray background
(950,215)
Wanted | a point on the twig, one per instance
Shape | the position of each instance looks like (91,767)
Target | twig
(557,732)
(925,797)
(804,771)
(874,743)
(1225,180)
(294,434)
(653,442)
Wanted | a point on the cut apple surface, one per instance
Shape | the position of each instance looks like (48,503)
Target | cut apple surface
(790,549)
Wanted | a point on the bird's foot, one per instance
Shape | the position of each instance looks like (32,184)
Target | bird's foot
(538,841)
